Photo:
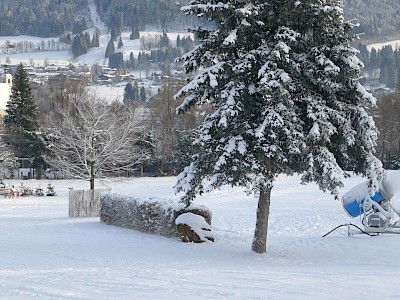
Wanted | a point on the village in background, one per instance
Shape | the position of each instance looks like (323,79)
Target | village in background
(137,67)
(144,78)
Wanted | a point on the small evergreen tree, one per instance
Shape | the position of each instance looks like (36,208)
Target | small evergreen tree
(185,149)
(132,61)
(116,60)
(135,34)
(88,42)
(110,50)
(373,59)
(187,43)
(164,40)
(143,95)
(95,40)
(146,146)
(387,61)
(130,94)
(364,54)
(120,43)
(76,46)
(21,121)
(68,39)
(80,45)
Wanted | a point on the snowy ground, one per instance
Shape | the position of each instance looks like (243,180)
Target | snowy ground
(94,55)
(46,255)
(378,46)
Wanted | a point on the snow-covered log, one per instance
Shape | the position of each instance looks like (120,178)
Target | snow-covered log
(150,215)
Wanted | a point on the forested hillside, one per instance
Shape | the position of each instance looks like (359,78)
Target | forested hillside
(164,14)
(378,18)
(44,18)
(47,18)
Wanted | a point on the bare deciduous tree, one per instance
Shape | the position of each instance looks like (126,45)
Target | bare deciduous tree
(60,91)
(90,138)
(167,125)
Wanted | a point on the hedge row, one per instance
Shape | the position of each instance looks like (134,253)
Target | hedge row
(149,215)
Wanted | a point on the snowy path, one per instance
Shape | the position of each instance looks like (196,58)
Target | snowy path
(46,255)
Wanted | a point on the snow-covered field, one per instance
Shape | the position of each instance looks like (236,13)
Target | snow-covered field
(108,92)
(46,255)
(378,46)
(94,55)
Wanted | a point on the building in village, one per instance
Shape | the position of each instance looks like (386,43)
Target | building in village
(5,91)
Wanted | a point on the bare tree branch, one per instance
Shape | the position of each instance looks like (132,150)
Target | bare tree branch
(91,138)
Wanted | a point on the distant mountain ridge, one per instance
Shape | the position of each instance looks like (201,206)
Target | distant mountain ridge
(49,18)
(161,14)
(44,18)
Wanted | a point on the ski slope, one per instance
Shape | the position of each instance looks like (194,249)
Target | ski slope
(46,255)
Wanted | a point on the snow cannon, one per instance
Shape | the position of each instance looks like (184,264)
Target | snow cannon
(353,201)
(376,211)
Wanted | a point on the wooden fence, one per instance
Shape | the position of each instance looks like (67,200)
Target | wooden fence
(84,204)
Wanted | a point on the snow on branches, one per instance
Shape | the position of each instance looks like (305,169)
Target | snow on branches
(282,80)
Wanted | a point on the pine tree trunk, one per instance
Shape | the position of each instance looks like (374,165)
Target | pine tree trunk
(260,234)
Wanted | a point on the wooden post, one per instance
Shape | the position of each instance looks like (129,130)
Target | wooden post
(84,203)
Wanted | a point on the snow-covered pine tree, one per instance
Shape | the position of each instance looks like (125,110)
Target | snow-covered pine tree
(21,122)
(282,80)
